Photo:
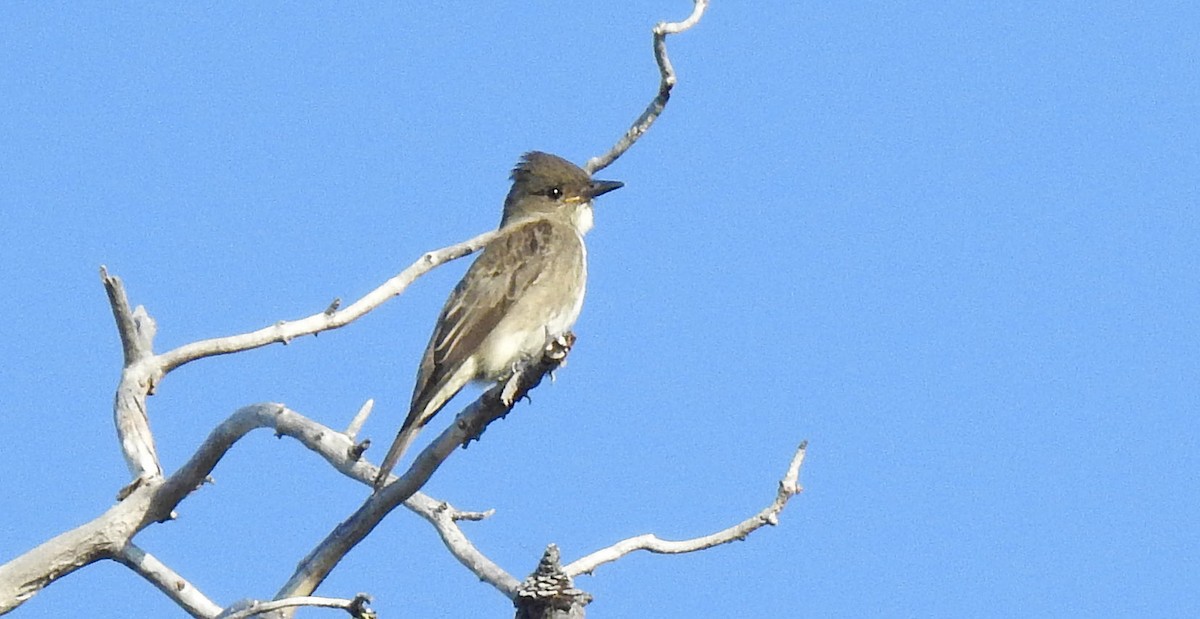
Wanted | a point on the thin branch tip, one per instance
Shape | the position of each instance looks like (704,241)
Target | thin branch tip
(457,515)
(360,418)
(788,487)
(792,477)
(355,607)
(667,81)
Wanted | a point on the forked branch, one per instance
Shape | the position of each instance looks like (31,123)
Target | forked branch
(467,426)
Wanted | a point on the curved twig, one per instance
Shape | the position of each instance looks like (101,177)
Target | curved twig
(666,82)
(789,486)
(445,521)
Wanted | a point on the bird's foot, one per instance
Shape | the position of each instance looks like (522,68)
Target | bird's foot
(557,348)
(509,395)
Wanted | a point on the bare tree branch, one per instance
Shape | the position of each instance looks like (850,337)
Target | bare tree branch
(152,500)
(659,102)
(333,446)
(445,520)
(143,369)
(168,581)
(101,538)
(109,535)
(789,486)
(467,426)
(133,346)
(359,419)
(286,331)
(356,607)
(136,330)
(155,497)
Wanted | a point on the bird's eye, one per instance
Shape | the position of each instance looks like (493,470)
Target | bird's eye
(554,193)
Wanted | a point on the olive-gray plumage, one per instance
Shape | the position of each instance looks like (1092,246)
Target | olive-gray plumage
(525,289)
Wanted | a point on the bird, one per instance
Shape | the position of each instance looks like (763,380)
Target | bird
(524,290)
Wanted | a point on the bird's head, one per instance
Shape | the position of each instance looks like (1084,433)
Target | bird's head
(547,185)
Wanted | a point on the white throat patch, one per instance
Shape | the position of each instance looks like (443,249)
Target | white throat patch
(583,218)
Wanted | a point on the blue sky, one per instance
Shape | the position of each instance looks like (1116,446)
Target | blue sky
(954,245)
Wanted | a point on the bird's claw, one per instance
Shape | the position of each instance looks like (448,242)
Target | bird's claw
(557,348)
(508,395)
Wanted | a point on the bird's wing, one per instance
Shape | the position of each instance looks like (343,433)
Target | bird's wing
(506,269)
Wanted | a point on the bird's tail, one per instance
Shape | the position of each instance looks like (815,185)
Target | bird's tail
(405,438)
(431,396)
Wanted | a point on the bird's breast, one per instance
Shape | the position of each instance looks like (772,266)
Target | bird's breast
(547,310)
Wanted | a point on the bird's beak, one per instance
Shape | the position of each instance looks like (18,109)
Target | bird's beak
(599,188)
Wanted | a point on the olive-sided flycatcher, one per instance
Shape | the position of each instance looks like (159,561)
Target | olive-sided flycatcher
(523,291)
